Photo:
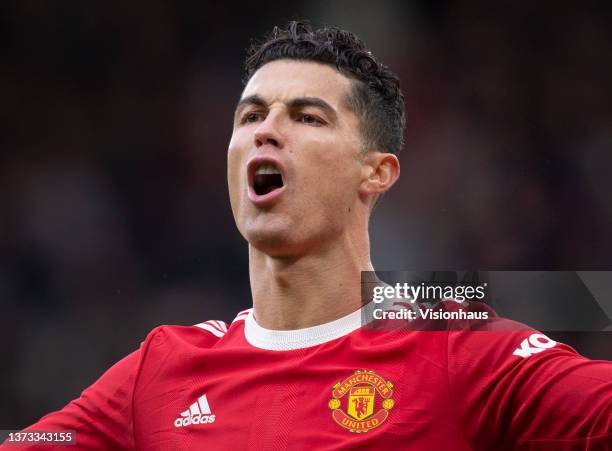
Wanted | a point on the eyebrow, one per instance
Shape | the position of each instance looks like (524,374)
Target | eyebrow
(251,100)
(296,103)
(301,102)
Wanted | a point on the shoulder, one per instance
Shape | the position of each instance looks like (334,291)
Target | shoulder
(204,334)
(220,328)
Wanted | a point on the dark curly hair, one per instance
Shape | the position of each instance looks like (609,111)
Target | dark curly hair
(376,96)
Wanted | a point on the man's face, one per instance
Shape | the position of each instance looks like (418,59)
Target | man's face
(294,165)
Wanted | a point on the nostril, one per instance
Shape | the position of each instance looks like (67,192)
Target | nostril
(272,141)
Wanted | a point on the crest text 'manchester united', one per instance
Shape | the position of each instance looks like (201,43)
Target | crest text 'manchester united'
(362,401)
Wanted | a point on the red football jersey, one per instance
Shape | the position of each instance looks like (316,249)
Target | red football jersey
(340,386)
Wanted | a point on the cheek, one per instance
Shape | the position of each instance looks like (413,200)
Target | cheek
(334,178)
(235,165)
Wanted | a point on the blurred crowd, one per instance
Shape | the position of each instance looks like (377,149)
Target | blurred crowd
(115,123)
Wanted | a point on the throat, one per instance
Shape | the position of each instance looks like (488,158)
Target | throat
(306,292)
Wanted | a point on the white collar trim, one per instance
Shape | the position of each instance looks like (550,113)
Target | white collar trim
(287,340)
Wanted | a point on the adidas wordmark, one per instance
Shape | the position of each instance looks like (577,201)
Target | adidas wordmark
(198,413)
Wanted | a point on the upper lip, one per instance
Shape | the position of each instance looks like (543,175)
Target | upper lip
(259,160)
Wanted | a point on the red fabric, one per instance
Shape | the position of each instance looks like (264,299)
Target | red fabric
(451,390)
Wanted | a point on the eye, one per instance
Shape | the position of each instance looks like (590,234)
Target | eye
(309,119)
(252,116)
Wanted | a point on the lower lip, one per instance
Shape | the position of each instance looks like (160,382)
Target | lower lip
(265,199)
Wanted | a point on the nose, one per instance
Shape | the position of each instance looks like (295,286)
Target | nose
(269,132)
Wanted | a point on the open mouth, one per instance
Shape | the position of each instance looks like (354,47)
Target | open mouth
(267,178)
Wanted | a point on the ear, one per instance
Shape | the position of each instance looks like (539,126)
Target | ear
(379,172)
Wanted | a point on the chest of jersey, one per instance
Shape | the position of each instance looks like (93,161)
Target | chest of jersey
(357,392)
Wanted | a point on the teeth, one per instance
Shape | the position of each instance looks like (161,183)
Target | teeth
(266,169)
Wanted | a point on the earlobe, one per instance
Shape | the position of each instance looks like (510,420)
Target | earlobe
(380,172)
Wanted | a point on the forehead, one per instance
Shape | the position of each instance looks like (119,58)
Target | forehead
(283,80)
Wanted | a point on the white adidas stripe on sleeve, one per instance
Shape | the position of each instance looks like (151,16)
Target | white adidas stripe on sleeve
(219,328)
(220,325)
(212,329)
(242,315)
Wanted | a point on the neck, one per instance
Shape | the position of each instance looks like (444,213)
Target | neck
(304,291)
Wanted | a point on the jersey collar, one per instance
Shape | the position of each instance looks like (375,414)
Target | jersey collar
(287,340)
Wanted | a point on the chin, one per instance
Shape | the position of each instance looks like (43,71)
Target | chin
(272,241)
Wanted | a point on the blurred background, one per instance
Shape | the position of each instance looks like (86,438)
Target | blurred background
(115,122)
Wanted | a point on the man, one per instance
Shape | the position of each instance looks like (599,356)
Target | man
(314,144)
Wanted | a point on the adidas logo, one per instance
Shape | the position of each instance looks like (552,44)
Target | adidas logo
(198,413)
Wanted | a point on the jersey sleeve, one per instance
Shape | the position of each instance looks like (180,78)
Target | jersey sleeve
(102,416)
(515,388)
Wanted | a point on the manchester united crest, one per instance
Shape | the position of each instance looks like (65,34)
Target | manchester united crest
(362,401)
